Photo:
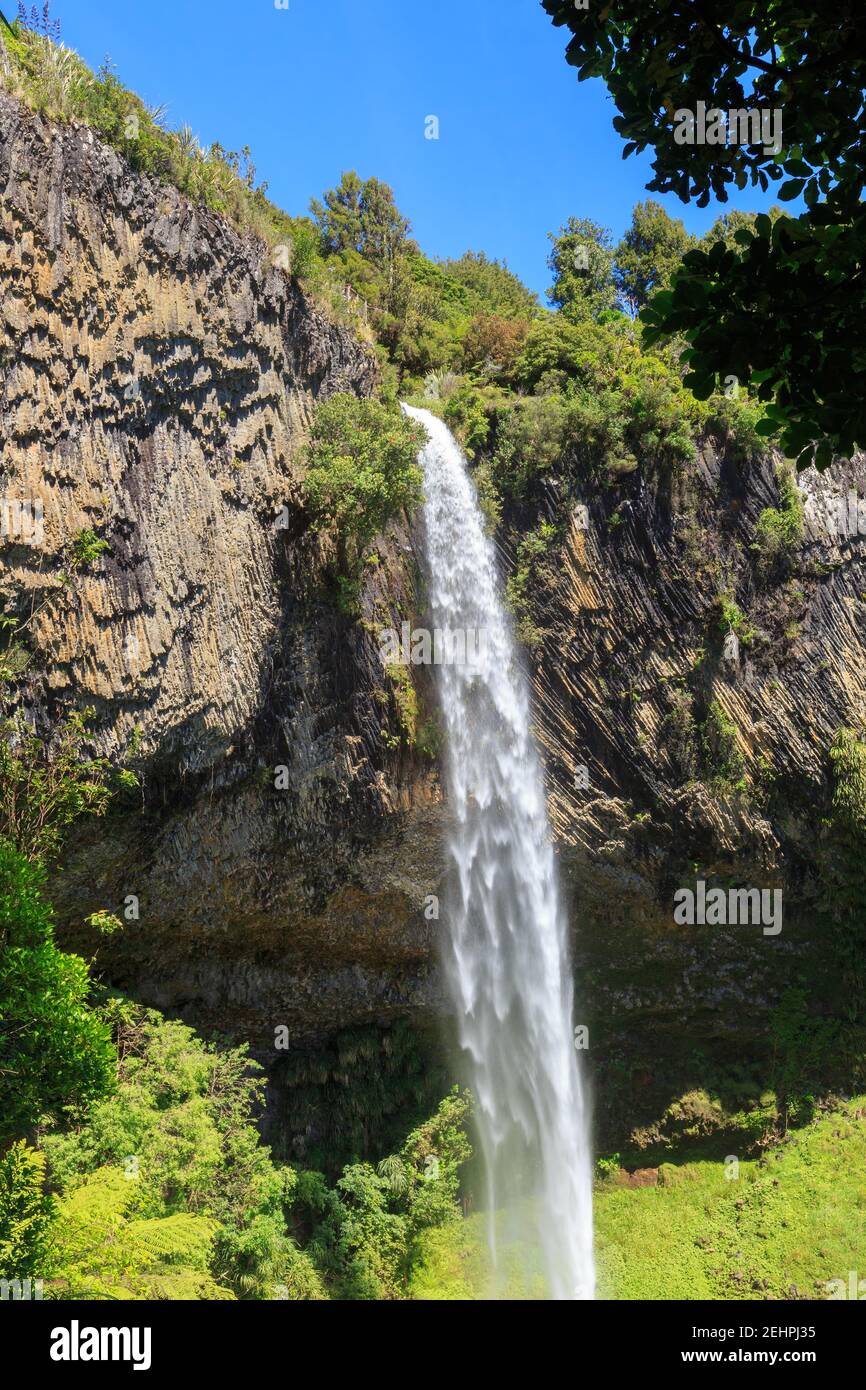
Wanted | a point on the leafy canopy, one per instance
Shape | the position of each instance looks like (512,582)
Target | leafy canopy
(361,216)
(648,254)
(581,259)
(783,307)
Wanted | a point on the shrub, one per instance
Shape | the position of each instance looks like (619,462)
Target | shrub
(102,1248)
(185,1112)
(493,344)
(559,351)
(531,438)
(362,470)
(732,419)
(55,1052)
(848,765)
(44,787)
(26,1213)
(723,761)
(779,530)
(466,414)
(519,587)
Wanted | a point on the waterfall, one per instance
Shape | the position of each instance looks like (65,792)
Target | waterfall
(504,931)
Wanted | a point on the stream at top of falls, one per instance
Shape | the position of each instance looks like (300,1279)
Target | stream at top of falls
(505,936)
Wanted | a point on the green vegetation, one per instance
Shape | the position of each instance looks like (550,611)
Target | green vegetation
(55,1053)
(171,1171)
(848,801)
(649,253)
(733,619)
(44,787)
(779,530)
(581,259)
(785,1220)
(27,1212)
(781,306)
(131,1165)
(362,470)
(86,549)
(172,1164)
(524,579)
(723,761)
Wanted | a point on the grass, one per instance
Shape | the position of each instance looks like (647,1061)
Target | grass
(787,1225)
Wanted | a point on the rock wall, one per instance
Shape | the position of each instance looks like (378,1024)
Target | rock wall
(634,656)
(157,375)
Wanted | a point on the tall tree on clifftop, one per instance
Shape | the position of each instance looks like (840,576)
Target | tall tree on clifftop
(362,216)
(649,253)
(581,259)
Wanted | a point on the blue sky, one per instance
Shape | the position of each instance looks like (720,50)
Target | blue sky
(327,85)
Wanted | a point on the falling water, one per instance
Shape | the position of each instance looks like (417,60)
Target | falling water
(506,942)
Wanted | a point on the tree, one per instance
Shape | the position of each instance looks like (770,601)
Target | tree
(582,263)
(492,287)
(44,787)
(363,217)
(55,1051)
(784,307)
(493,343)
(649,253)
(725,228)
(180,1134)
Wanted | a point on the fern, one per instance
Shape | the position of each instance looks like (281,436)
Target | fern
(182,1239)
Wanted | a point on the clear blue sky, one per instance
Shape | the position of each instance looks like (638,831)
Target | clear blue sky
(328,85)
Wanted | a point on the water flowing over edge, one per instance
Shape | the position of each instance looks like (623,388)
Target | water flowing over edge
(505,940)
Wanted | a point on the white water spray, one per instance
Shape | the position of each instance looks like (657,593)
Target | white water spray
(505,937)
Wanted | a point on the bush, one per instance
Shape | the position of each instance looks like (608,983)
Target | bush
(55,1052)
(101,1248)
(181,1125)
(532,436)
(26,1213)
(779,530)
(723,761)
(362,470)
(556,352)
(519,587)
(732,419)
(493,344)
(466,413)
(848,765)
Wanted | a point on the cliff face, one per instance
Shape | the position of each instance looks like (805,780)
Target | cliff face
(635,675)
(157,375)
